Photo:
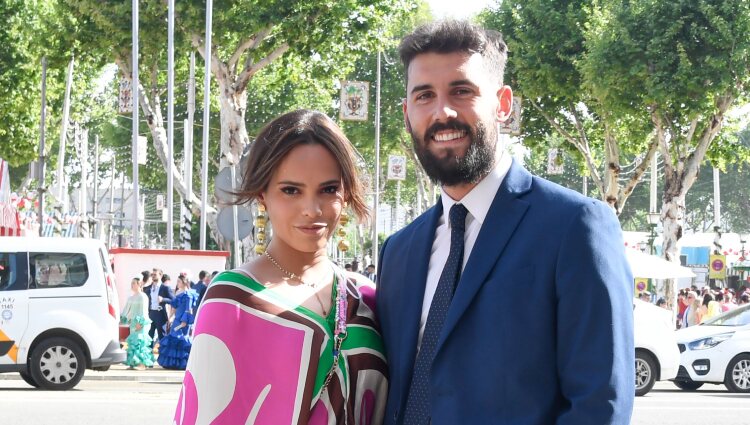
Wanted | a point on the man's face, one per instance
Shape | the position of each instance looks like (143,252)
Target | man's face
(155,276)
(451,110)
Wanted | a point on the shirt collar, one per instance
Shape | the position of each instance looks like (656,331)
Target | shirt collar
(479,199)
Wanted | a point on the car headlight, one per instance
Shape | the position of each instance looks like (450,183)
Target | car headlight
(710,342)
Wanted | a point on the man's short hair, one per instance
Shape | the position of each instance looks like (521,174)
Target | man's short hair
(146,274)
(202,274)
(165,277)
(454,36)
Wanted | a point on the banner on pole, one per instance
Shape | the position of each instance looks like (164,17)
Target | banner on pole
(717,267)
(554,161)
(142,150)
(512,125)
(159,202)
(355,96)
(125,99)
(396,167)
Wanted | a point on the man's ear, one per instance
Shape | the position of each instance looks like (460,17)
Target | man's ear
(504,104)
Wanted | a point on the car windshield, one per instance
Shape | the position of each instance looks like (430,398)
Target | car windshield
(737,317)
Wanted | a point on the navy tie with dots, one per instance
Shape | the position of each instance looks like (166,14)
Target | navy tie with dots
(418,402)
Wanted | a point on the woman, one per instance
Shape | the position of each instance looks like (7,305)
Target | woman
(135,315)
(289,337)
(174,348)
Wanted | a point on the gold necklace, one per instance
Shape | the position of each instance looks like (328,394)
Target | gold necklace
(289,274)
(296,277)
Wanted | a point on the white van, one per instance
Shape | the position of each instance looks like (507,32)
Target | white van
(59,312)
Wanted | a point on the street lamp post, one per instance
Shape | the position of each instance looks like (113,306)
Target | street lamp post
(743,239)
(653,220)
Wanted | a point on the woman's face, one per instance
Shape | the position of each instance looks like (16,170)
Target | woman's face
(304,198)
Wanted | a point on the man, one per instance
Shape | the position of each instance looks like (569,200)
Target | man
(645,296)
(561,354)
(370,272)
(204,278)
(159,295)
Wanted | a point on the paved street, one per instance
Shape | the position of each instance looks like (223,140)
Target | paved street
(711,404)
(121,397)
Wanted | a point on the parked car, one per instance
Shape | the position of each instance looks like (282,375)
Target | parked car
(59,311)
(716,351)
(656,355)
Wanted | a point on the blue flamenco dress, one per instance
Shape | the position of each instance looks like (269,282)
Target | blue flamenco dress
(174,348)
(135,315)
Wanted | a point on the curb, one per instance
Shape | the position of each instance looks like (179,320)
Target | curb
(120,373)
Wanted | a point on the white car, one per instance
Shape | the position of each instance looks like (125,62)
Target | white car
(59,311)
(717,351)
(656,355)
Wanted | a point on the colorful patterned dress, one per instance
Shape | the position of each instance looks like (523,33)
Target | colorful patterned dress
(139,343)
(258,360)
(174,348)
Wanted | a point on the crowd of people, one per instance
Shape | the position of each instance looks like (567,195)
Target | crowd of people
(698,305)
(160,318)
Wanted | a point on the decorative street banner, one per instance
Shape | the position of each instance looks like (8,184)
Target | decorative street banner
(512,125)
(717,266)
(160,202)
(396,167)
(125,100)
(554,161)
(641,284)
(355,96)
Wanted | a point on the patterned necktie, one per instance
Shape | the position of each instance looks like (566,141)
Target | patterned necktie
(418,403)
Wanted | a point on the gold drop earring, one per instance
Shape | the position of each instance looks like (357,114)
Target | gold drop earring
(260,230)
(343,244)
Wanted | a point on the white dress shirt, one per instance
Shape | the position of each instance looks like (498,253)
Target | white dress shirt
(477,202)
(155,296)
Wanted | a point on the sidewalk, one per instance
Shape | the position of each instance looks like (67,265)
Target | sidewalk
(120,372)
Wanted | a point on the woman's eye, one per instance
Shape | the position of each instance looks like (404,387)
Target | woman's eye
(289,190)
(331,189)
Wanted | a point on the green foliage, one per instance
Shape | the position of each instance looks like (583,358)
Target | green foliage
(675,59)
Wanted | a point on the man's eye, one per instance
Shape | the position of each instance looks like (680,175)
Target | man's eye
(424,96)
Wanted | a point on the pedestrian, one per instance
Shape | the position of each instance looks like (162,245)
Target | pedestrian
(370,272)
(202,284)
(661,302)
(135,315)
(290,320)
(174,348)
(459,350)
(159,295)
(692,315)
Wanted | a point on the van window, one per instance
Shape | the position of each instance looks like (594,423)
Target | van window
(13,272)
(56,269)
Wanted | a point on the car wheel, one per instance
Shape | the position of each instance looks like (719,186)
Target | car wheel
(737,377)
(688,385)
(645,373)
(57,364)
(28,379)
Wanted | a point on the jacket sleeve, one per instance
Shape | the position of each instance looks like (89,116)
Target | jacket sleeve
(596,354)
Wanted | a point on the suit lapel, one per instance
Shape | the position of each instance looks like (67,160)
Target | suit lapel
(503,217)
(415,269)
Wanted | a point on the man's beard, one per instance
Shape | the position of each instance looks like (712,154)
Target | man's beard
(452,170)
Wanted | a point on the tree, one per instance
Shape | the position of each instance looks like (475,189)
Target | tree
(683,64)
(547,43)
(313,39)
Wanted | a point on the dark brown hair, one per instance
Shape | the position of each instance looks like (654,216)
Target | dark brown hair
(451,36)
(301,127)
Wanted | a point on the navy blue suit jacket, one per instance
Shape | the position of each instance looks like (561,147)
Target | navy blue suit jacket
(167,295)
(540,329)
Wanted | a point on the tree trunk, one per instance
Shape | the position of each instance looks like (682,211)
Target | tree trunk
(234,136)
(673,218)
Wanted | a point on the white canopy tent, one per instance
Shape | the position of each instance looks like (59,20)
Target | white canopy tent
(653,267)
